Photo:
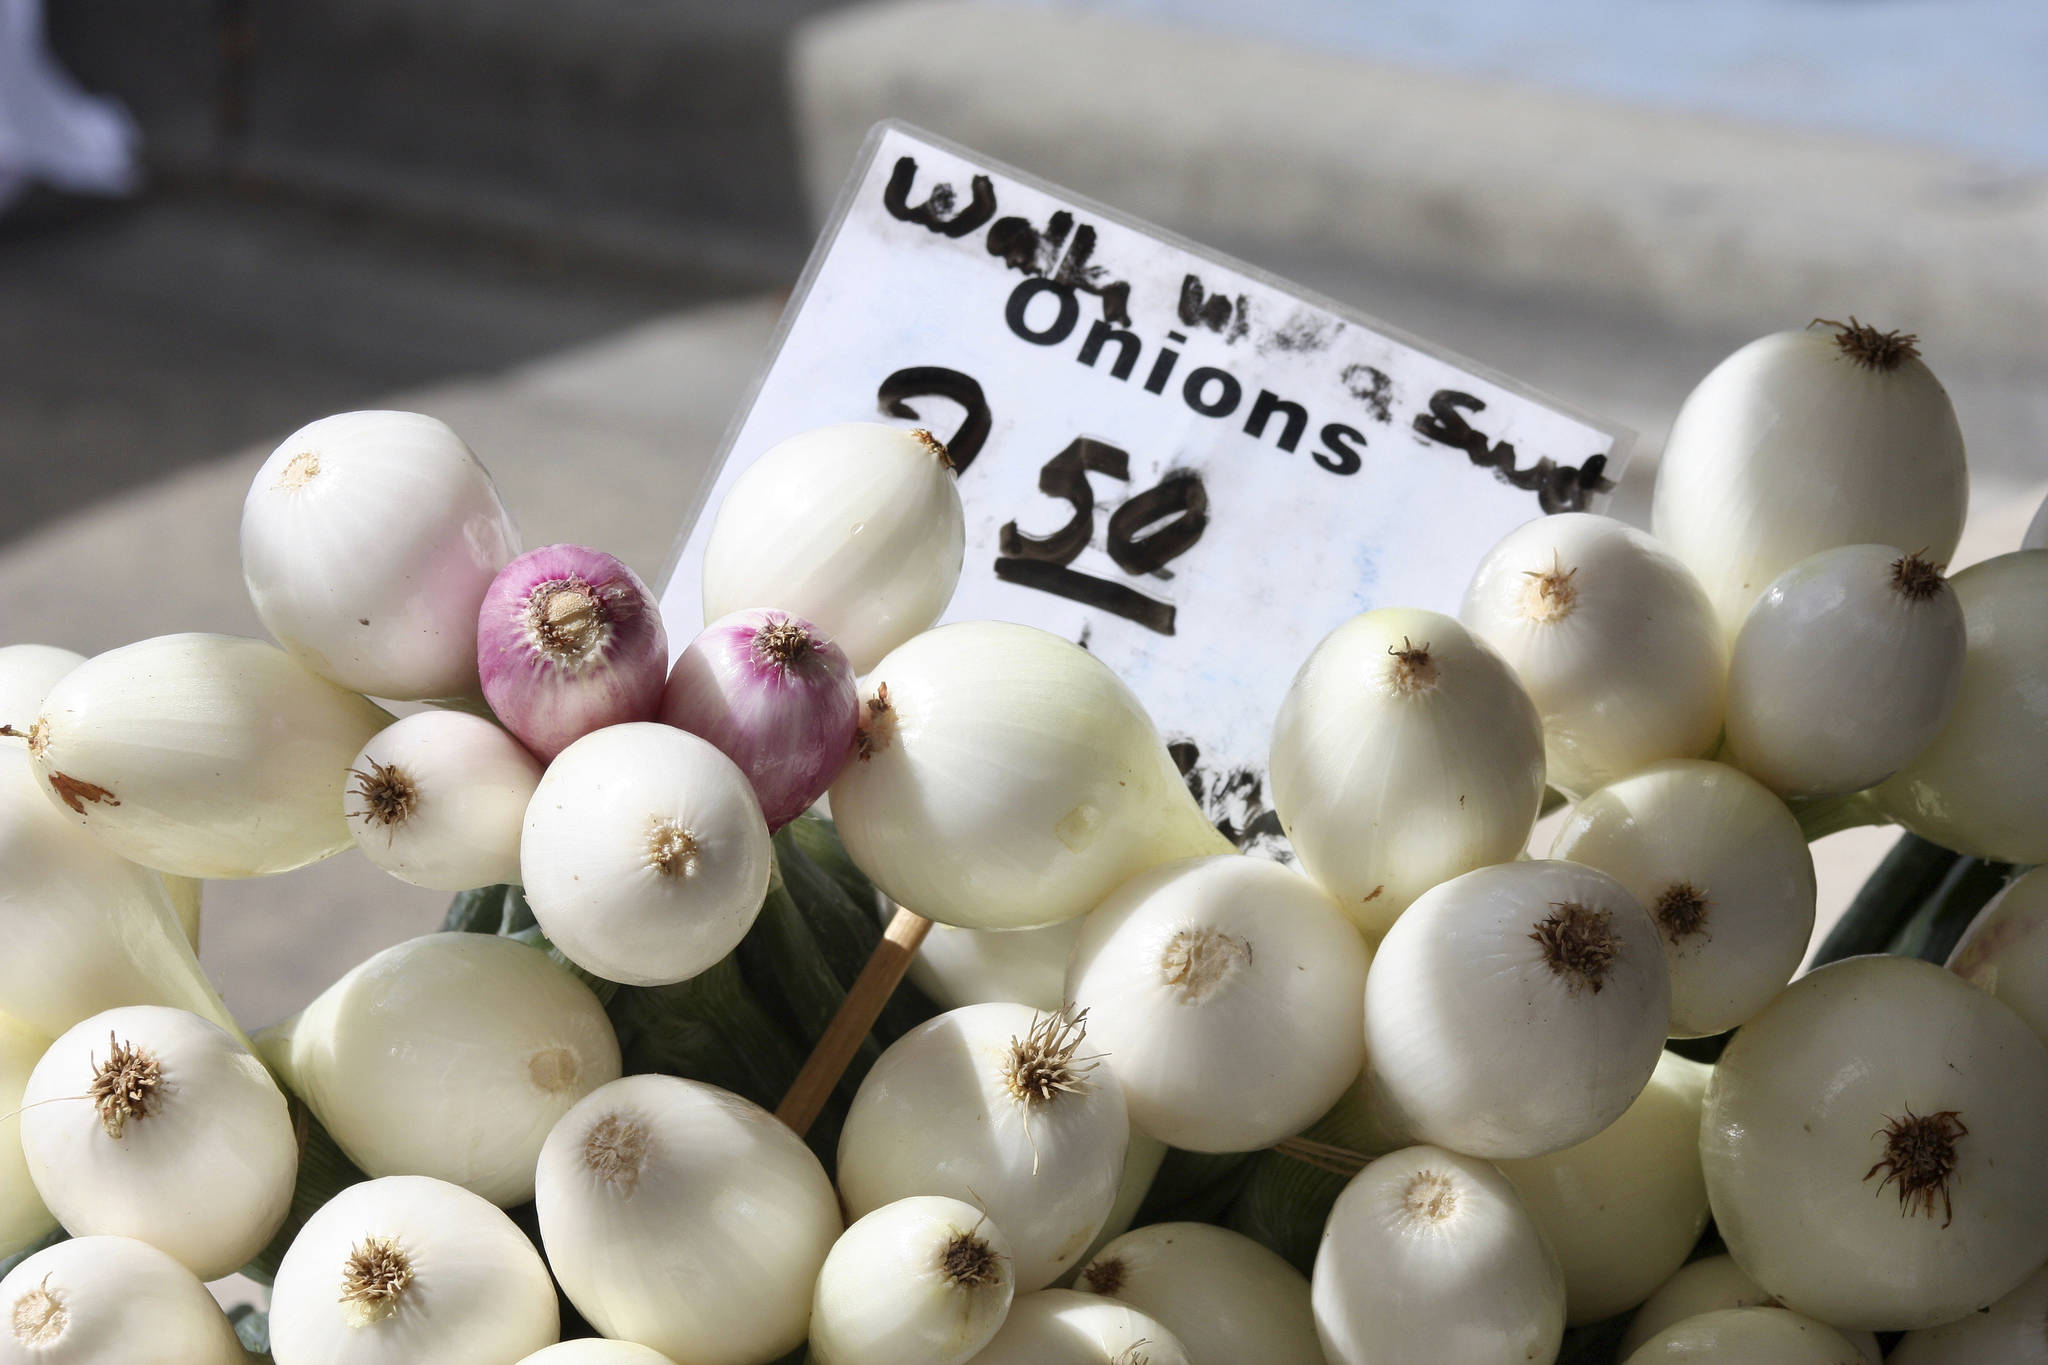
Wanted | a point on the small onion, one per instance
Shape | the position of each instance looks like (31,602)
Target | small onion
(438,799)
(2005,950)
(100,1300)
(922,1281)
(568,641)
(1065,1327)
(1744,1336)
(776,697)
(1227,1298)
(1708,1285)
(2013,1331)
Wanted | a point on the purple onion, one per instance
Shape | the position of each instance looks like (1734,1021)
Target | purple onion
(569,641)
(776,697)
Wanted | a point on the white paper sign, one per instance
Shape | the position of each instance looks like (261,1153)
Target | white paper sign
(1193,469)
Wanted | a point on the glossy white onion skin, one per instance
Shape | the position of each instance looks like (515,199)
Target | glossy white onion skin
(1623,1208)
(857,527)
(23,1218)
(701,1229)
(1225,1296)
(597,1351)
(1706,1286)
(204,1172)
(937,1115)
(1707,829)
(1230,991)
(1796,1130)
(115,1299)
(472,782)
(1790,447)
(958,967)
(608,884)
(1745,1336)
(1477,1043)
(1067,1327)
(2005,950)
(1839,677)
(368,539)
(479,1293)
(216,756)
(516,1042)
(1429,1258)
(1612,638)
(1386,790)
(1980,785)
(2013,1331)
(1014,781)
(884,1297)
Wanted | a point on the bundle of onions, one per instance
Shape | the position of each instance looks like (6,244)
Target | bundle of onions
(1066,1327)
(438,800)
(1740,1336)
(1708,1285)
(922,1281)
(92,1300)
(1223,1295)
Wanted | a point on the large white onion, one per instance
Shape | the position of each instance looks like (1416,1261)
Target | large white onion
(1706,1286)
(101,1300)
(922,1281)
(1747,1336)
(1230,992)
(368,539)
(1802,441)
(203,755)
(1067,1327)
(1226,1298)
(2005,950)
(2013,1331)
(1007,779)
(1873,1146)
(1404,754)
(857,528)
(1613,639)
(23,1217)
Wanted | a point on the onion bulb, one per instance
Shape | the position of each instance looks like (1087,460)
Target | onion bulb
(409,1269)
(1066,1327)
(368,539)
(1723,869)
(1743,1336)
(27,673)
(151,1123)
(1429,1258)
(922,1281)
(597,1351)
(2013,1331)
(644,854)
(1228,1299)
(203,755)
(96,1300)
(1613,639)
(1405,753)
(681,1216)
(23,1218)
(958,967)
(438,799)
(1006,779)
(2005,950)
(1873,1146)
(1802,441)
(1516,1010)
(516,1041)
(1230,991)
(857,527)
(1845,668)
(1980,785)
(1000,1106)
(1705,1286)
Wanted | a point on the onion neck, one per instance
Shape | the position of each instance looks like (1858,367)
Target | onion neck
(374,1281)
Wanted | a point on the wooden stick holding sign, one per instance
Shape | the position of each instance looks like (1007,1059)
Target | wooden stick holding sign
(856,1015)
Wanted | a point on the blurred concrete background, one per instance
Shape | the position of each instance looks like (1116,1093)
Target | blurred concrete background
(563,226)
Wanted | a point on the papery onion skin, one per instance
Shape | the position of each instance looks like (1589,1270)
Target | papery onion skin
(1740,1336)
(1225,1296)
(437,799)
(569,640)
(98,1300)
(1708,1285)
(1067,1327)
(2005,950)
(777,697)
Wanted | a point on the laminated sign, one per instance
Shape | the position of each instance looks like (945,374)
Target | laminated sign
(1189,467)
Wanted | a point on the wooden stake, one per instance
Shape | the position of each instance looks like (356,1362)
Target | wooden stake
(857,1013)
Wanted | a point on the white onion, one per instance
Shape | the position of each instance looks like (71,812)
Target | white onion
(407,1269)
(1404,754)
(368,539)
(1613,638)
(151,1123)
(597,1351)
(1000,1106)
(1516,1010)
(438,799)
(1873,1146)
(1429,1258)
(681,1216)
(644,854)
(1228,1299)
(23,1217)
(1623,1208)
(1723,869)
(1705,1286)
(1744,1336)
(1066,1327)
(958,967)
(203,755)
(1230,992)
(100,1300)
(2005,950)
(2013,1331)
(452,1056)
(1845,668)
(27,673)
(1008,779)
(857,527)
(1802,441)
(922,1281)
(1980,786)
